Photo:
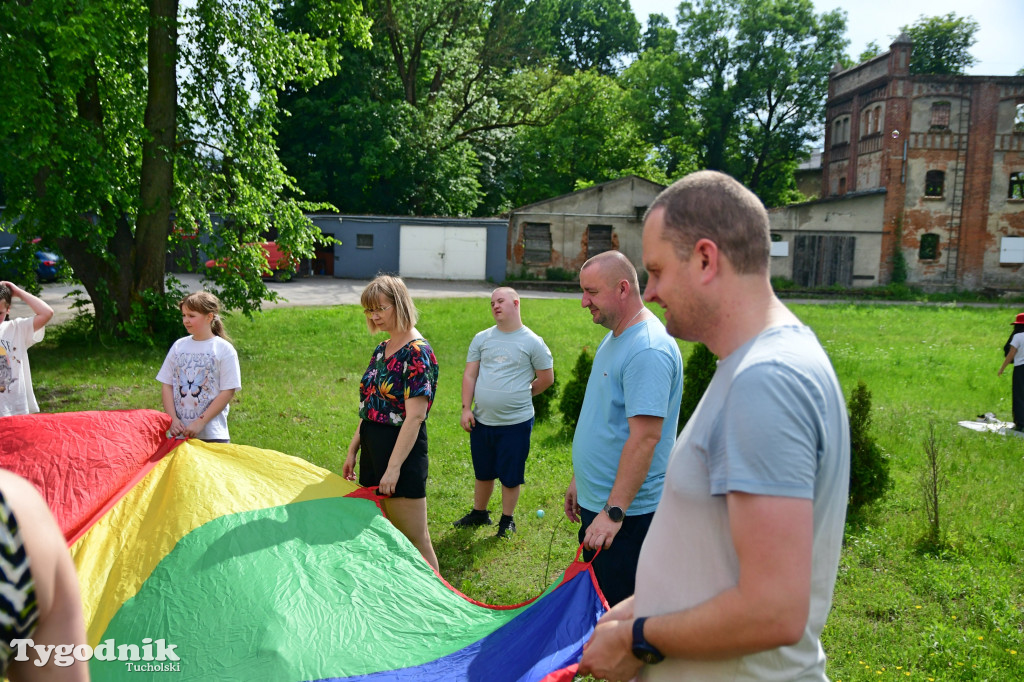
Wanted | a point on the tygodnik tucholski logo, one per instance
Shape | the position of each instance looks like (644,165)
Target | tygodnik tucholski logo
(163,659)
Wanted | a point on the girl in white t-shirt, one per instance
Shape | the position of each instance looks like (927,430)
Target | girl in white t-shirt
(200,373)
(16,336)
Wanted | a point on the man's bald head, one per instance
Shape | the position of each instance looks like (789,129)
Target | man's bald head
(613,267)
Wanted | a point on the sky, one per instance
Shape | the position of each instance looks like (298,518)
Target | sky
(999,50)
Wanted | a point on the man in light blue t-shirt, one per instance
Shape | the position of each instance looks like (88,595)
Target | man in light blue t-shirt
(506,366)
(626,427)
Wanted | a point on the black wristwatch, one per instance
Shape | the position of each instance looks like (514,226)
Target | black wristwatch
(614,513)
(642,649)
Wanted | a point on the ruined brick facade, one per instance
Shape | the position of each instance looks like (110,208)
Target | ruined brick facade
(948,152)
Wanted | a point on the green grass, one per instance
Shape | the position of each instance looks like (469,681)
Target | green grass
(902,609)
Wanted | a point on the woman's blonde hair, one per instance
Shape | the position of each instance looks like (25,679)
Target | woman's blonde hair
(204,302)
(390,288)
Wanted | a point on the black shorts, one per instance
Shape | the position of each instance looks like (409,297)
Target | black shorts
(615,567)
(500,452)
(376,441)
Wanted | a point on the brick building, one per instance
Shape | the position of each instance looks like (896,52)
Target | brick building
(931,165)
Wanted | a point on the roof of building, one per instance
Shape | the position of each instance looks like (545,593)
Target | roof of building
(593,188)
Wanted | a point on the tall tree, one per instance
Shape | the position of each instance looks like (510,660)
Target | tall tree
(413,125)
(942,44)
(786,53)
(120,119)
(661,100)
(870,51)
(593,139)
(749,90)
(594,34)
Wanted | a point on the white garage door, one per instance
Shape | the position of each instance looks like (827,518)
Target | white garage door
(430,252)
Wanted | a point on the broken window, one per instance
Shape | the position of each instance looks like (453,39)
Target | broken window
(934,183)
(537,244)
(872,121)
(599,239)
(940,116)
(1018,120)
(929,249)
(1016,185)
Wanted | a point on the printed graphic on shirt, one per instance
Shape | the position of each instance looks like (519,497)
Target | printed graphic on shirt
(501,361)
(7,374)
(195,384)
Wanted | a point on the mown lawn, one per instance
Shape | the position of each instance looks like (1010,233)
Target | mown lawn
(903,609)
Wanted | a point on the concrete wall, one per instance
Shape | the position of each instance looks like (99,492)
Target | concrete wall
(619,203)
(859,76)
(860,216)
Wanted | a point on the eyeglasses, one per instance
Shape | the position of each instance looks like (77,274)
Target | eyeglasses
(370,311)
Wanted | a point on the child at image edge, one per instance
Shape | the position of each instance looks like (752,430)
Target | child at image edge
(200,373)
(16,395)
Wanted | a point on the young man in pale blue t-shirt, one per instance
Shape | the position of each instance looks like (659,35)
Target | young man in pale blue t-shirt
(506,366)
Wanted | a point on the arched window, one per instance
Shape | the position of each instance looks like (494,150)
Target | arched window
(934,183)
(929,249)
(841,130)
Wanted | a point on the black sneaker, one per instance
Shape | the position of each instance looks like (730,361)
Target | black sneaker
(506,527)
(477,517)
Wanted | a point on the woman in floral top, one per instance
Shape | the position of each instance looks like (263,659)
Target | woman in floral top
(395,396)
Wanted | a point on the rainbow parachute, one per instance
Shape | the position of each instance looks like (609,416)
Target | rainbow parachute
(256,565)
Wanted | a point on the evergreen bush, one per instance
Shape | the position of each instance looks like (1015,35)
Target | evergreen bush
(869,467)
(571,402)
(542,404)
(697,373)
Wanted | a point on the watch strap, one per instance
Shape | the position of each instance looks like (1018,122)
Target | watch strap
(642,649)
(614,513)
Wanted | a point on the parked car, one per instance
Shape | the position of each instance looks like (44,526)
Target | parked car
(276,267)
(47,266)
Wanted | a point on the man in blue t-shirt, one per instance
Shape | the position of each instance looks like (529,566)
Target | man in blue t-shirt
(506,366)
(626,427)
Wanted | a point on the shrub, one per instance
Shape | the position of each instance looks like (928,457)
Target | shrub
(560,275)
(782,284)
(571,403)
(542,404)
(156,317)
(869,468)
(697,373)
